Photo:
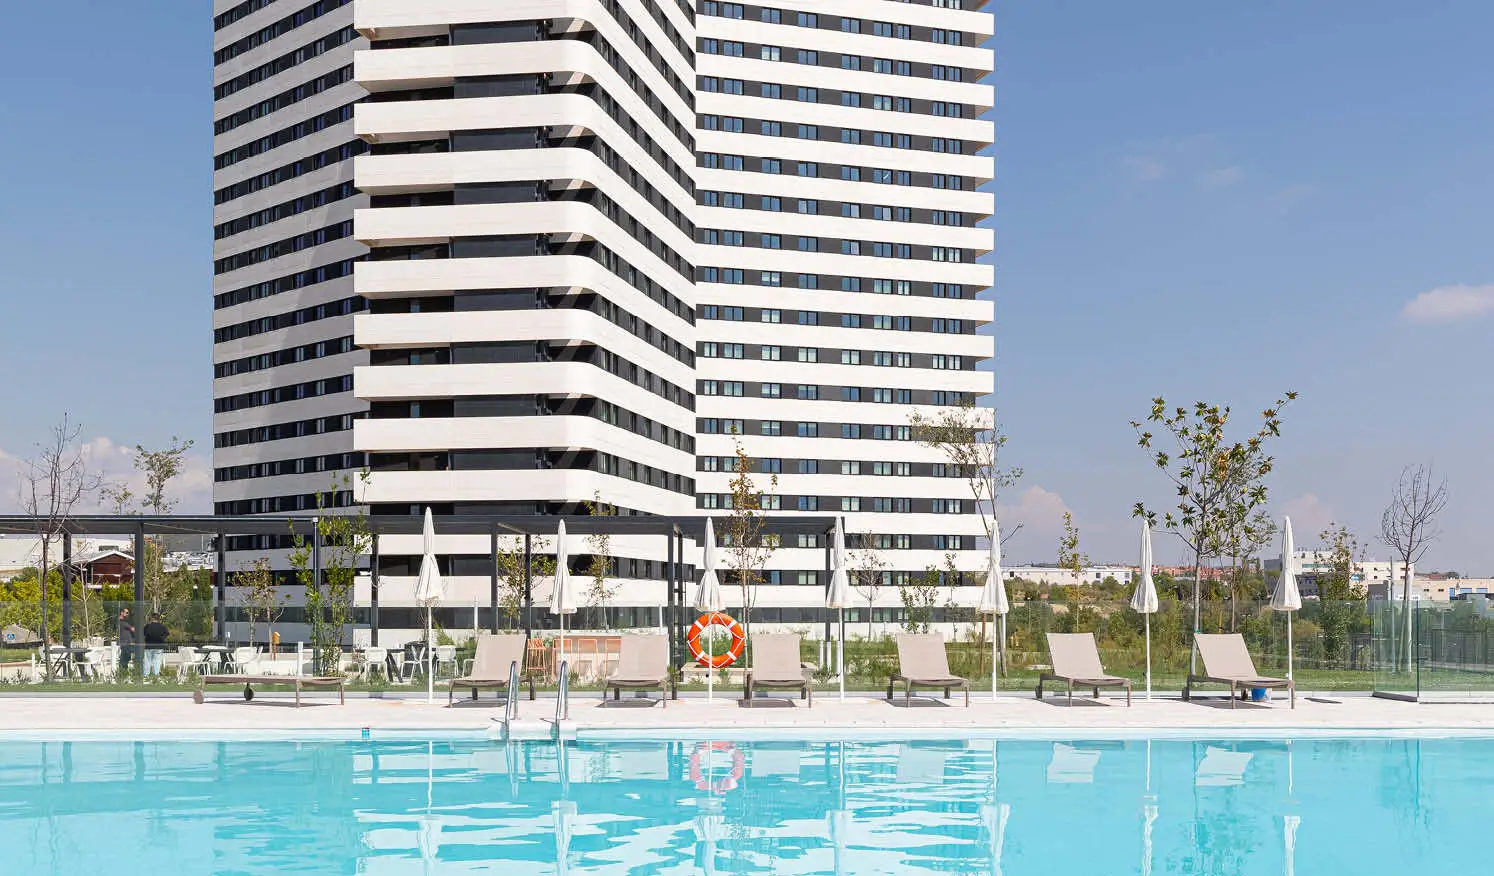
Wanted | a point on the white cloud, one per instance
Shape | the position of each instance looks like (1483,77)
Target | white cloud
(1040,514)
(1145,168)
(115,463)
(1222,178)
(1309,517)
(1450,303)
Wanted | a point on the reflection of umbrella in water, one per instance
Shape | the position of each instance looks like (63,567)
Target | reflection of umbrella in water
(709,825)
(1291,822)
(840,816)
(993,817)
(563,810)
(430,824)
(1149,810)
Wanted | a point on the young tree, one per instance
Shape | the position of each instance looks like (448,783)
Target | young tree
(602,590)
(53,482)
(160,468)
(1241,536)
(919,593)
(511,571)
(1408,527)
(1338,588)
(1069,557)
(869,569)
(746,543)
(118,496)
(971,443)
(342,525)
(262,597)
(1215,479)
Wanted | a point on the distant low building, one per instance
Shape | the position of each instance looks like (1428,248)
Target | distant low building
(21,552)
(1058,576)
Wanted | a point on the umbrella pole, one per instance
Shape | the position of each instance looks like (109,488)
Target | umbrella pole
(840,657)
(430,658)
(995,664)
(1147,619)
(560,650)
(1289,646)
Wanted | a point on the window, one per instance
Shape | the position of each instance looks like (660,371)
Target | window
(731,351)
(948,74)
(772,428)
(809,244)
(850,25)
(903,360)
(770,53)
(850,320)
(902,178)
(772,203)
(948,506)
(770,278)
(809,466)
(709,387)
(771,129)
(808,540)
(771,466)
(808,19)
(731,124)
(771,353)
(725,10)
(809,95)
(882,396)
(732,48)
(850,503)
(882,250)
(771,315)
(772,16)
(948,290)
(947,37)
(809,132)
(809,206)
(850,430)
(850,284)
(772,90)
(809,56)
(850,357)
(850,62)
(809,503)
(850,173)
(850,393)
(850,211)
(770,390)
(881,29)
(809,168)
(809,392)
(949,542)
(881,65)
(710,501)
(850,247)
(731,387)
(771,241)
(850,467)
(881,175)
(850,98)
(809,281)
(809,430)
(732,427)
(947,181)
(881,102)
(850,135)
(809,354)
(709,350)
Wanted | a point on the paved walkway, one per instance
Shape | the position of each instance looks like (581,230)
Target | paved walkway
(273,715)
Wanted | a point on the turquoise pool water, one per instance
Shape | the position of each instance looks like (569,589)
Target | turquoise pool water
(1370,807)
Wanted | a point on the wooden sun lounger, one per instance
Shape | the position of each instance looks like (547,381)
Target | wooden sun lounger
(776,665)
(1226,660)
(922,662)
(248,681)
(1076,663)
(495,656)
(643,664)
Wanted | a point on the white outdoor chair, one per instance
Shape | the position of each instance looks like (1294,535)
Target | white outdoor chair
(188,660)
(446,656)
(373,661)
(103,662)
(241,659)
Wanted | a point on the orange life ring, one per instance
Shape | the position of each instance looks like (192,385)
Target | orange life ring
(721,619)
(716,784)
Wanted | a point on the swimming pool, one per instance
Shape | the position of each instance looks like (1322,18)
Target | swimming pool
(1372,807)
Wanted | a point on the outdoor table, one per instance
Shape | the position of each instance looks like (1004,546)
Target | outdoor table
(222,652)
(415,659)
(66,660)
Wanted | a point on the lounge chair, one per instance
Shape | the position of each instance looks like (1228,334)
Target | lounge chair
(643,664)
(775,665)
(491,664)
(1076,663)
(1226,660)
(922,662)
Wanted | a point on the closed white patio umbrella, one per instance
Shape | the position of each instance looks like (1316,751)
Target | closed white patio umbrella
(993,601)
(1286,597)
(1144,598)
(429,591)
(562,600)
(994,816)
(708,596)
(838,597)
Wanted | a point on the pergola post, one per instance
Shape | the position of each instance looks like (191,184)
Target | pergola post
(137,616)
(829,567)
(528,586)
(220,582)
(493,582)
(316,582)
(373,593)
(669,596)
(67,589)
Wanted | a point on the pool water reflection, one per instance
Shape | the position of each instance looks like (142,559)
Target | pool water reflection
(1373,807)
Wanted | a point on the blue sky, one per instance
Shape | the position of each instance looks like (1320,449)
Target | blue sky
(1199,200)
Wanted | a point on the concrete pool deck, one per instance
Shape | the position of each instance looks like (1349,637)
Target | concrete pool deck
(273,715)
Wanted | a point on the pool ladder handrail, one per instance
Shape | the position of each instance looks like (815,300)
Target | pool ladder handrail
(563,695)
(511,705)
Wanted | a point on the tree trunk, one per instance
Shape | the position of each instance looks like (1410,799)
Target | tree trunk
(1197,609)
(46,638)
(1406,593)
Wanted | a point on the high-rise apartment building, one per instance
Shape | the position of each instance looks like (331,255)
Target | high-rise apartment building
(598,245)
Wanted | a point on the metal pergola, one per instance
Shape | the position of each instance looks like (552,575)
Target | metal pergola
(673,529)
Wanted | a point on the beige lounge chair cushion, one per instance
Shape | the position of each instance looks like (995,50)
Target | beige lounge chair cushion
(496,653)
(642,658)
(775,657)
(922,656)
(1224,655)
(1075,655)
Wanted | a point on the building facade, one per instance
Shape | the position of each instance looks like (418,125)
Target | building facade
(579,252)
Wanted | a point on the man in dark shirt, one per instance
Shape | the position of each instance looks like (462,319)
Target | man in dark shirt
(126,640)
(155,644)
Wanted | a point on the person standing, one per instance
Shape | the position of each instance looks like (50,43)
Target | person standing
(155,634)
(126,640)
